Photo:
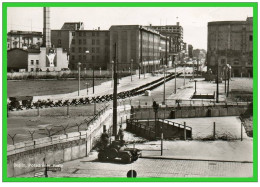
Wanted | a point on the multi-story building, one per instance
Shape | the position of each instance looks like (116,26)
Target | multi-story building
(63,37)
(141,45)
(231,42)
(24,39)
(190,51)
(90,48)
(175,34)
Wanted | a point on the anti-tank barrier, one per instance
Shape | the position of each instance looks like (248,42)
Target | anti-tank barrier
(19,104)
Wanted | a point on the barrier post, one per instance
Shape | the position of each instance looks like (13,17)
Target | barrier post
(241,131)
(185,136)
(214,131)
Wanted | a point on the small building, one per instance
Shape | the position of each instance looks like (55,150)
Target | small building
(20,39)
(30,60)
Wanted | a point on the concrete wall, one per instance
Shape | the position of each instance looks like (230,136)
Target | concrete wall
(166,112)
(22,157)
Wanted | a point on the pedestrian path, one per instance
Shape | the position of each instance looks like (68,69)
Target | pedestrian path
(106,88)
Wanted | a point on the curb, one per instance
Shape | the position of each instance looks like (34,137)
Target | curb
(190,159)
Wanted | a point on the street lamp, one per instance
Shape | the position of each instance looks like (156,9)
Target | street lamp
(195,86)
(164,66)
(131,69)
(79,77)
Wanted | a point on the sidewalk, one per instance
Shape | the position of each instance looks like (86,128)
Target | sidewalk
(222,151)
(106,87)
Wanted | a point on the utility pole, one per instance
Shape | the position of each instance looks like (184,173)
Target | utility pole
(175,86)
(115,94)
(217,85)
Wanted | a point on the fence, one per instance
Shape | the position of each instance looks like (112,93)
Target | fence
(66,74)
(24,156)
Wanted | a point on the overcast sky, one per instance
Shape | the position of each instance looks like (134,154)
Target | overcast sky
(193,20)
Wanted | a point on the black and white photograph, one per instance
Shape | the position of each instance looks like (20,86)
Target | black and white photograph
(129,92)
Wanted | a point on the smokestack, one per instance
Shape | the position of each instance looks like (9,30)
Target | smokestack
(46,27)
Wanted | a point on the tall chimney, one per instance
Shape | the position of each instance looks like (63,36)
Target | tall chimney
(46,27)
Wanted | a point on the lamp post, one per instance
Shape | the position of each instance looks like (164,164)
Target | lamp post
(164,66)
(93,79)
(131,68)
(175,86)
(139,70)
(184,75)
(217,85)
(79,77)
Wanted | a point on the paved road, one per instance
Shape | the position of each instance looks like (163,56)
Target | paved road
(90,167)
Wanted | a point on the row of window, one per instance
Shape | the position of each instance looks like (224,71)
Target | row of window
(84,41)
(37,62)
(92,33)
(84,49)
(84,57)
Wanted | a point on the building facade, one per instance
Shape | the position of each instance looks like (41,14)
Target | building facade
(175,35)
(24,39)
(137,44)
(231,42)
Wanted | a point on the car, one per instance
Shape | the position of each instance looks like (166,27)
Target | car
(65,69)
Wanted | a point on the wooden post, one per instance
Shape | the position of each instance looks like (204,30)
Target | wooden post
(185,131)
(38,109)
(241,131)
(161,143)
(214,130)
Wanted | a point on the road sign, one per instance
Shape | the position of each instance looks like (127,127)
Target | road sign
(53,168)
(39,174)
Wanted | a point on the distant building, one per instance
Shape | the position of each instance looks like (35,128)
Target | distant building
(231,42)
(175,34)
(141,44)
(190,51)
(22,39)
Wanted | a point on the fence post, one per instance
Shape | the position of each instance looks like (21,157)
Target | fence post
(185,137)
(68,110)
(214,131)
(38,109)
(241,131)
(162,143)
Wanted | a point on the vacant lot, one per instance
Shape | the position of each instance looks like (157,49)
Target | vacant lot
(46,87)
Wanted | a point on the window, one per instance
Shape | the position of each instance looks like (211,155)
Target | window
(98,50)
(32,69)
(106,42)
(79,33)
(72,49)
(84,33)
(84,49)
(250,38)
(59,41)
(85,57)
(73,33)
(79,57)
(93,42)
(97,33)
(32,62)
(236,62)
(73,41)
(37,62)
(97,42)
(84,41)
(93,50)
(93,58)
(79,41)
(80,50)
